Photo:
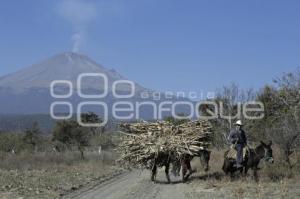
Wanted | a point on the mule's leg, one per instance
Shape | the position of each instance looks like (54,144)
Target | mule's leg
(186,166)
(183,170)
(255,175)
(206,169)
(241,170)
(167,172)
(189,167)
(177,169)
(242,173)
(246,170)
(231,175)
(153,172)
(225,167)
(204,159)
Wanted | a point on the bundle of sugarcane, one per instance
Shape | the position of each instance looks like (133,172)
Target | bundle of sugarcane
(143,141)
(146,127)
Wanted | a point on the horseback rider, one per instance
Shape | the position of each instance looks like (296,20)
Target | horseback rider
(239,140)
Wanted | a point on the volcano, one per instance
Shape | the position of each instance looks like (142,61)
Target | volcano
(66,66)
(28,91)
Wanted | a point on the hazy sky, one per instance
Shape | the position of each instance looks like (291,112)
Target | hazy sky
(190,45)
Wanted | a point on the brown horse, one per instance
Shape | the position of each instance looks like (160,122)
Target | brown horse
(251,161)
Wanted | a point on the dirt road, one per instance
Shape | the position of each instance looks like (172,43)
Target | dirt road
(137,185)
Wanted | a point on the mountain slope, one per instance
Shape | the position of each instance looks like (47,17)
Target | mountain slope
(65,66)
(28,90)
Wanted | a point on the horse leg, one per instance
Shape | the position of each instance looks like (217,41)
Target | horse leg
(167,172)
(153,172)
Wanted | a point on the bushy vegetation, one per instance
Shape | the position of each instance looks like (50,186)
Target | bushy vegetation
(281,122)
(37,165)
(11,142)
(67,135)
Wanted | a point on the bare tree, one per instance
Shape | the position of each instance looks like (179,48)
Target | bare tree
(285,115)
(229,100)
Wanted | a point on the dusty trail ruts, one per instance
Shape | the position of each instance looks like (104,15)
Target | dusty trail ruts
(135,184)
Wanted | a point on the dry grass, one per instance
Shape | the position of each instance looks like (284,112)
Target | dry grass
(275,181)
(48,175)
(45,160)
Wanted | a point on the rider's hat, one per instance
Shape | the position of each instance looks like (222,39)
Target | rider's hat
(239,123)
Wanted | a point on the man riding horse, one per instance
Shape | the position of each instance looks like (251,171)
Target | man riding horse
(238,138)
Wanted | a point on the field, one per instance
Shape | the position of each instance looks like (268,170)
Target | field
(275,181)
(55,175)
(51,175)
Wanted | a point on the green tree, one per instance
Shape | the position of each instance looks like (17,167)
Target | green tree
(10,142)
(282,118)
(71,133)
(32,136)
(92,118)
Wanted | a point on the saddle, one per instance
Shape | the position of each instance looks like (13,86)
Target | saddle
(231,154)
